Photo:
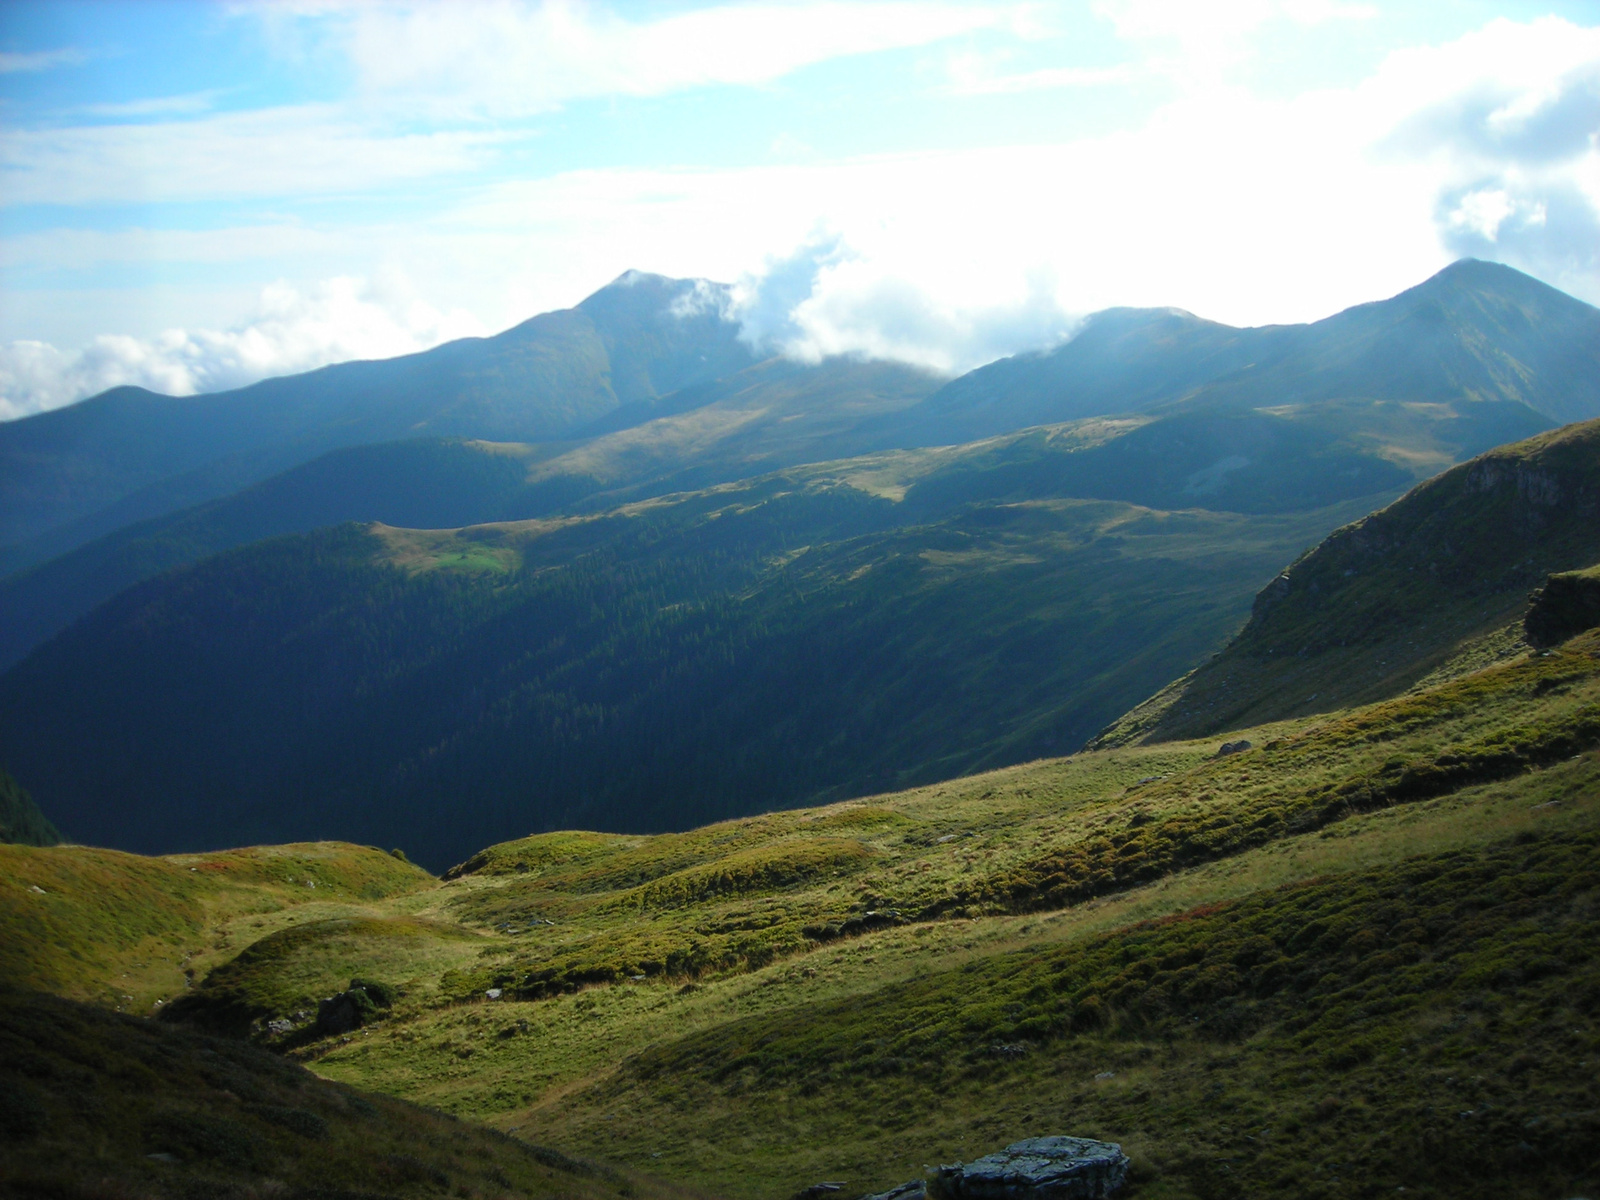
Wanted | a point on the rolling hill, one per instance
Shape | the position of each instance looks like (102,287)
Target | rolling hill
(776,413)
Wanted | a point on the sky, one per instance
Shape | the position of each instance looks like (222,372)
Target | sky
(197,195)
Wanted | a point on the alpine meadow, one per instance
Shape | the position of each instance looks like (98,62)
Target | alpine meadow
(922,719)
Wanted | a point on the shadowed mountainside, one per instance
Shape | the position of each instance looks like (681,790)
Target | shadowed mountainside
(823,631)
(1387,600)
(1231,462)
(1477,356)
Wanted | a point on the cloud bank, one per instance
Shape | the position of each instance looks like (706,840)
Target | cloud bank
(340,320)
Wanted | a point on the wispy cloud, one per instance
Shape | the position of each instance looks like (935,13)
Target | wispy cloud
(155,106)
(40,60)
(305,150)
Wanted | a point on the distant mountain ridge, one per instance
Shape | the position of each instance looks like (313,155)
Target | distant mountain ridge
(1394,391)
(129,453)
(1476,332)
(1512,354)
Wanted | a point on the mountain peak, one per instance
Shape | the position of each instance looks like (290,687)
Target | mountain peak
(1481,275)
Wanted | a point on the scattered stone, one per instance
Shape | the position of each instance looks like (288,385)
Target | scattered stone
(1238,747)
(280,1026)
(1106,1075)
(915,1190)
(1042,1168)
(1009,1049)
(494,993)
(949,837)
(1147,779)
(162,1156)
(817,1190)
(36,888)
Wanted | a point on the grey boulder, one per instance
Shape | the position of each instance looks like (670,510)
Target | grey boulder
(1042,1168)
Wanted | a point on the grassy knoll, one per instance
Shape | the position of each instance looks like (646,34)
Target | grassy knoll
(127,931)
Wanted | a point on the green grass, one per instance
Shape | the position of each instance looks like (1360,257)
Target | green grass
(127,931)
(96,1106)
(287,972)
(1315,953)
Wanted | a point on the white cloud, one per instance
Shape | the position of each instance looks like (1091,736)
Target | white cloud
(292,331)
(506,57)
(976,75)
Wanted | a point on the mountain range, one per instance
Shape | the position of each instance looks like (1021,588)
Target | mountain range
(614,566)
(1331,951)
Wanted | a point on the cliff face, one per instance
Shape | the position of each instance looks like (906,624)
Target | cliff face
(1389,599)
(1565,606)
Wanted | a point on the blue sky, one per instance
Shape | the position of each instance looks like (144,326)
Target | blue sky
(195,195)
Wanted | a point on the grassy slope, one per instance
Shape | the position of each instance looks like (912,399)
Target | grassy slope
(1388,600)
(1388,919)
(127,931)
(96,1106)
(1314,954)
(1448,968)
(1362,955)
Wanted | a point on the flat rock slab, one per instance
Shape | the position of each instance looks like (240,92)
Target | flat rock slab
(1042,1168)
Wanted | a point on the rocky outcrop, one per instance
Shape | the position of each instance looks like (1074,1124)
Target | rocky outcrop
(1042,1168)
(362,1002)
(1567,604)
